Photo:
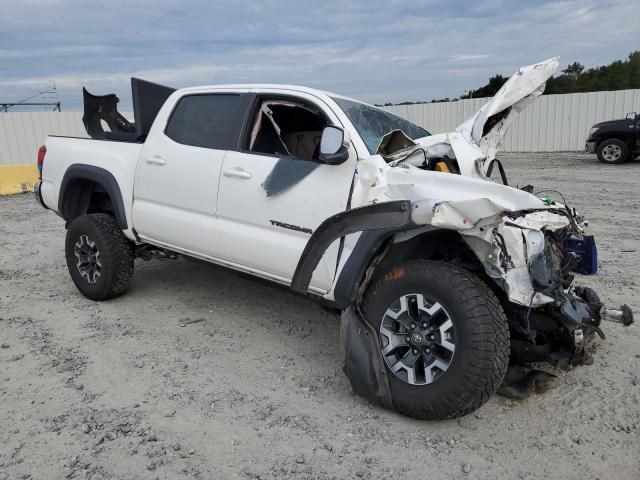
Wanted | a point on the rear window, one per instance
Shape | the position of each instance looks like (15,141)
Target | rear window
(209,121)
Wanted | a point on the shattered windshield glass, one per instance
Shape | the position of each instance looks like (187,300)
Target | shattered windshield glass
(373,123)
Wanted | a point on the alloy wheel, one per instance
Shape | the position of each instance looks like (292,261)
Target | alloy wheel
(417,339)
(88,256)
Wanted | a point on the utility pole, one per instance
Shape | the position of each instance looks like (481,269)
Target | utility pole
(48,93)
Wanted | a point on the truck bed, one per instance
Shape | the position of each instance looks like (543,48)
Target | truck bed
(116,158)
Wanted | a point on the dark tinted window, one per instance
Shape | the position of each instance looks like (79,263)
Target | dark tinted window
(210,121)
(373,123)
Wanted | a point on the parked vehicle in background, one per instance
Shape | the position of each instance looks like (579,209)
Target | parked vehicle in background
(615,141)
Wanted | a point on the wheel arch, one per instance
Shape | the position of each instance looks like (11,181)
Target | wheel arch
(395,214)
(90,189)
(378,250)
(626,138)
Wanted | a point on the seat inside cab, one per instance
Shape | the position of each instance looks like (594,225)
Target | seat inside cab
(287,128)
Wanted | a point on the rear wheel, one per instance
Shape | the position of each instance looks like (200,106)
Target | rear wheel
(99,256)
(613,151)
(443,336)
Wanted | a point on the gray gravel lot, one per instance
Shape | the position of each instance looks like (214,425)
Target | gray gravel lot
(250,386)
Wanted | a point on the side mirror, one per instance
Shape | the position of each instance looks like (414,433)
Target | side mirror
(332,148)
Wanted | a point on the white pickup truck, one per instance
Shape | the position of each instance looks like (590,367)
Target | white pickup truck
(444,277)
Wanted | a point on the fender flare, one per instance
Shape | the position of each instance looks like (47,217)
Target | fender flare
(386,216)
(368,246)
(100,176)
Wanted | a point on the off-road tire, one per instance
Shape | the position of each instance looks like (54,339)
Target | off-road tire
(116,256)
(624,155)
(482,338)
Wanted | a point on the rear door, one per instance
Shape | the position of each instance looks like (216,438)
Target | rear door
(176,184)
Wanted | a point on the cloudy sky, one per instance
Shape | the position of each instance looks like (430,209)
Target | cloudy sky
(378,51)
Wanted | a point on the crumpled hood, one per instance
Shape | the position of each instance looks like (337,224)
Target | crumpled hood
(481,211)
(476,142)
(516,94)
(435,193)
(470,201)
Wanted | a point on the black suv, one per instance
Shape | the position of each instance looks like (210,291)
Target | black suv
(615,141)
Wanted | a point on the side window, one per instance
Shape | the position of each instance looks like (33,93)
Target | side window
(287,128)
(209,121)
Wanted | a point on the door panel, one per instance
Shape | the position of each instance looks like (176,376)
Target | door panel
(269,233)
(176,185)
(175,202)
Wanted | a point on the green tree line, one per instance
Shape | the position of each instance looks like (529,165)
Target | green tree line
(619,75)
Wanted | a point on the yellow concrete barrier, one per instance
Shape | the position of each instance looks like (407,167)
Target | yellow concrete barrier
(17,178)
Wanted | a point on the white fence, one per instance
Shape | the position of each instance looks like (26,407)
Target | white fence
(552,123)
(22,133)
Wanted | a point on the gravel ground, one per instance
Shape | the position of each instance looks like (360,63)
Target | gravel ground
(201,372)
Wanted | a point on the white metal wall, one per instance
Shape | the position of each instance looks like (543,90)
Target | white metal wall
(22,133)
(553,123)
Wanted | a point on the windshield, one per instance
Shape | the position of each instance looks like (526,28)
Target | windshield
(373,123)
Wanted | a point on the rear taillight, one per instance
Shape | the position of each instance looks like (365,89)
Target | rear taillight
(41,153)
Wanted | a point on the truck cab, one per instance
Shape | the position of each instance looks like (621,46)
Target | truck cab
(222,166)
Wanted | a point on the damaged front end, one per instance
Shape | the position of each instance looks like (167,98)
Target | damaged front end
(528,251)
(529,248)
(532,257)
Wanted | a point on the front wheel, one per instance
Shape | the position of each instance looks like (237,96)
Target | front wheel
(99,256)
(613,151)
(443,336)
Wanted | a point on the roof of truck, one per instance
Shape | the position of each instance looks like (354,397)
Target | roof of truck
(275,86)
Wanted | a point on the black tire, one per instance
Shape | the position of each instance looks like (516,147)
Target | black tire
(115,253)
(482,345)
(605,156)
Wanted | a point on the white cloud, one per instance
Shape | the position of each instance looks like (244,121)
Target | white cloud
(468,57)
(376,50)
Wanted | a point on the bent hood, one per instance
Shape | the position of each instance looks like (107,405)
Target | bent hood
(489,125)
(475,143)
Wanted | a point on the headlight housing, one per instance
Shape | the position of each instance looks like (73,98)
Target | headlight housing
(593,131)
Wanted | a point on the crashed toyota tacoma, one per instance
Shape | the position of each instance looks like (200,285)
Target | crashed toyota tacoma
(451,285)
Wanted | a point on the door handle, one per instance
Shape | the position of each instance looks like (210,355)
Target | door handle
(237,172)
(155,160)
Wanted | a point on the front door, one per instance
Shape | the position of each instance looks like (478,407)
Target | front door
(176,183)
(273,194)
